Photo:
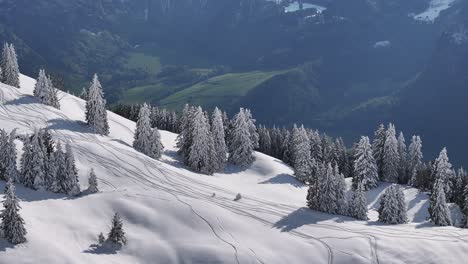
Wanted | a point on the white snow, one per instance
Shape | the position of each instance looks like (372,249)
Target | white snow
(171,215)
(294,6)
(382,44)
(434,9)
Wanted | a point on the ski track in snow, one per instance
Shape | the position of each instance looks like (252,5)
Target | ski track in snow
(121,161)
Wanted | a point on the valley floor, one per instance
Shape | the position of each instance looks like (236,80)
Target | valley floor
(172,215)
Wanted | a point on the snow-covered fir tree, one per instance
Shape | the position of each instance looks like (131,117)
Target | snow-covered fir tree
(93,183)
(8,169)
(342,157)
(285,148)
(365,167)
(58,184)
(326,196)
(116,234)
(96,114)
(70,185)
(12,226)
(403,176)
(264,140)
(358,204)
(464,207)
(41,85)
(340,192)
(240,141)
(254,137)
(442,169)
(315,145)
(157,147)
(438,209)
(84,94)
(415,158)
(143,133)
(9,65)
(184,139)
(219,140)
(378,147)
(201,156)
(51,95)
(391,156)
(459,183)
(33,163)
(301,154)
(392,208)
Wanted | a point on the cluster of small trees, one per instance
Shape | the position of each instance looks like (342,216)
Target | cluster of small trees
(9,69)
(202,141)
(160,117)
(116,236)
(45,91)
(147,140)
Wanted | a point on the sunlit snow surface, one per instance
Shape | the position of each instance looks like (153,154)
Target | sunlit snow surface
(295,7)
(172,215)
(433,12)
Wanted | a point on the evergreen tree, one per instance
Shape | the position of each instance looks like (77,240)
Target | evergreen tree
(51,172)
(70,185)
(157,147)
(51,95)
(93,183)
(240,144)
(365,167)
(464,207)
(8,169)
(438,208)
(96,114)
(185,137)
(392,208)
(84,94)
(143,133)
(327,191)
(391,157)
(340,192)
(442,169)
(378,147)
(12,223)
(316,146)
(219,140)
(33,168)
(358,206)
(10,69)
(285,150)
(459,183)
(415,157)
(40,88)
(342,157)
(201,155)
(59,184)
(301,154)
(117,234)
(254,137)
(403,164)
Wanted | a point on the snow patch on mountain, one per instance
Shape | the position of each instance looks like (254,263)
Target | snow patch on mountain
(434,10)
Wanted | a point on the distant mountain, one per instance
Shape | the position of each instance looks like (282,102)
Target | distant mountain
(339,65)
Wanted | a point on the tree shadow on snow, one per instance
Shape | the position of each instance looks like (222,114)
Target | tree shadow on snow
(23,100)
(106,249)
(4,245)
(283,179)
(305,216)
(71,125)
(30,195)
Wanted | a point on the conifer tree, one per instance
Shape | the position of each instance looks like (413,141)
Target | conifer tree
(51,95)
(459,183)
(301,154)
(157,147)
(415,157)
(184,139)
(33,168)
(117,234)
(392,208)
(365,167)
(12,225)
(96,114)
(41,85)
(143,133)
(442,169)
(327,191)
(438,209)
(10,69)
(93,183)
(71,185)
(403,164)
(378,147)
(201,155)
(342,157)
(8,169)
(240,144)
(358,206)
(391,157)
(285,150)
(59,184)
(464,207)
(219,140)
(254,137)
(340,192)
(316,146)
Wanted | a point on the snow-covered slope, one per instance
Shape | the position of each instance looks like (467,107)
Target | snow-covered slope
(172,215)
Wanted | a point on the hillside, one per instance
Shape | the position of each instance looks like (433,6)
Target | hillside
(172,215)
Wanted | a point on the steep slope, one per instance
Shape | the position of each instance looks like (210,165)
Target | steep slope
(173,215)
